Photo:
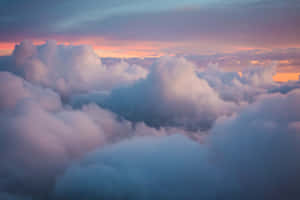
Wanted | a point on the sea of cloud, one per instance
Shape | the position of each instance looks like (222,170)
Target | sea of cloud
(72,127)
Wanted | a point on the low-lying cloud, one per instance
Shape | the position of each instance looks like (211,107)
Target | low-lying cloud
(251,155)
(122,131)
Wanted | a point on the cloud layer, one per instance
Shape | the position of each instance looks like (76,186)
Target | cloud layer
(72,127)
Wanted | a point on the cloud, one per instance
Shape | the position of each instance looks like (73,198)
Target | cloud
(40,136)
(254,154)
(197,132)
(286,60)
(178,93)
(147,168)
(240,88)
(286,87)
(70,69)
(260,147)
(14,90)
(171,95)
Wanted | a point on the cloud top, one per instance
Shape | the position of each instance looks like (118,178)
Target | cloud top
(72,127)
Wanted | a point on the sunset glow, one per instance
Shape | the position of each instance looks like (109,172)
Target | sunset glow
(283,77)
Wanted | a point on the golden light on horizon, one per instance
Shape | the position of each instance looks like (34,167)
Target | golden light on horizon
(284,77)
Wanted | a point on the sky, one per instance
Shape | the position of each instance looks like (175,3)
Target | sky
(143,100)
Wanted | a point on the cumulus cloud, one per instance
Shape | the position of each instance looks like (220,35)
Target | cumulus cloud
(69,69)
(177,93)
(171,95)
(251,155)
(14,89)
(240,88)
(177,132)
(40,136)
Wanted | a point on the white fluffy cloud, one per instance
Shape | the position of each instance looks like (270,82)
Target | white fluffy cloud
(70,69)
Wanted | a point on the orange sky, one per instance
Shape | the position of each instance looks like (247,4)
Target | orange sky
(283,77)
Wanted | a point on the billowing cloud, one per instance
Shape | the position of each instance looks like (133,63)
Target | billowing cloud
(40,136)
(69,69)
(177,132)
(172,94)
(14,90)
(240,88)
(177,93)
(251,155)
